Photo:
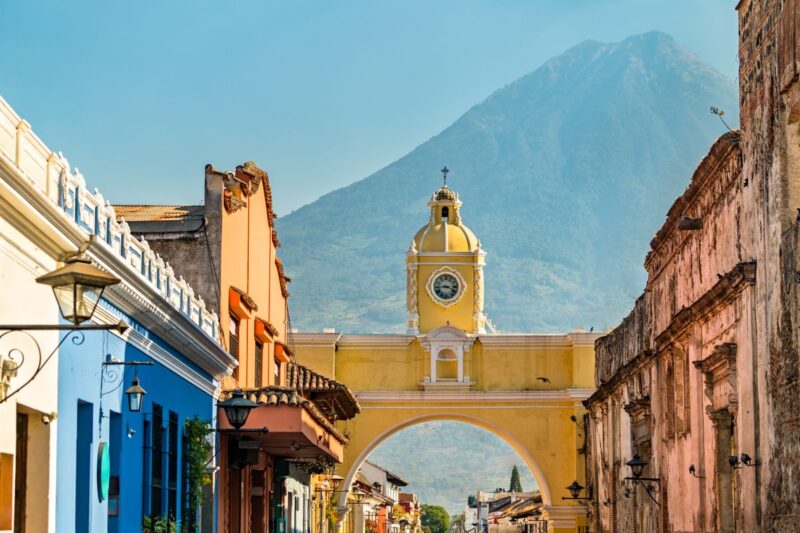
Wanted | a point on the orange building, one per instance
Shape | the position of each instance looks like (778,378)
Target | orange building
(227,249)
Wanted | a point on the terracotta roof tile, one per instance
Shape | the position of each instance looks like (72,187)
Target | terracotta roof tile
(274,396)
(313,383)
(158,213)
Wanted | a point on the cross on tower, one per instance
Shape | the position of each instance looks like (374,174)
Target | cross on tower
(444,172)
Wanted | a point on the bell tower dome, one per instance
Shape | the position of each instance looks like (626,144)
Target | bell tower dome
(444,266)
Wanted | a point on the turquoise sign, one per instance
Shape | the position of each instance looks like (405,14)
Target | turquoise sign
(103,471)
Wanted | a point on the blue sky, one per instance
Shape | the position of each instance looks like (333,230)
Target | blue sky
(141,95)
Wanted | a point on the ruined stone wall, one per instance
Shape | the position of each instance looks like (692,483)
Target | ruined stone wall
(769,92)
(707,365)
(651,399)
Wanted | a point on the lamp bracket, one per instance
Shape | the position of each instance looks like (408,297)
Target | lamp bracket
(15,358)
(112,376)
(650,485)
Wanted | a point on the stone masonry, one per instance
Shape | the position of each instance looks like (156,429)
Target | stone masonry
(702,377)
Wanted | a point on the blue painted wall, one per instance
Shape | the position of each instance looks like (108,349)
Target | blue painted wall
(127,434)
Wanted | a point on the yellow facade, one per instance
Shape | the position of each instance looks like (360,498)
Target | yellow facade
(522,387)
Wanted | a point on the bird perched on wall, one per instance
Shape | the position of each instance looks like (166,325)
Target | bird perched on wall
(543,379)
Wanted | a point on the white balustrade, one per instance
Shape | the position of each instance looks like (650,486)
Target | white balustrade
(50,173)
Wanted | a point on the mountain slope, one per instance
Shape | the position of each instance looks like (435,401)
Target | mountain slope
(565,175)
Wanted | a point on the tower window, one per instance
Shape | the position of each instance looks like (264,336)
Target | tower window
(445,213)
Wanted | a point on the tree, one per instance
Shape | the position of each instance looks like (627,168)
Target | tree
(472,501)
(436,518)
(515,485)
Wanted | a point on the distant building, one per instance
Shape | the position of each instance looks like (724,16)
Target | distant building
(509,512)
(379,506)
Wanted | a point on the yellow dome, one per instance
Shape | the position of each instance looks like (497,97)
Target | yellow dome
(445,232)
(445,237)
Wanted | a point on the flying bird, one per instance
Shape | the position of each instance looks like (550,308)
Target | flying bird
(543,380)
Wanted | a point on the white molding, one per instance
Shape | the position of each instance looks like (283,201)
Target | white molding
(135,297)
(530,341)
(480,397)
(470,255)
(377,341)
(38,182)
(157,353)
(314,339)
(462,286)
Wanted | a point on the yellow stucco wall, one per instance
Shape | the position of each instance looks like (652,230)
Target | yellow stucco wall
(505,397)
(432,314)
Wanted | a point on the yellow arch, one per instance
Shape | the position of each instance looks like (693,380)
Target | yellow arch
(512,441)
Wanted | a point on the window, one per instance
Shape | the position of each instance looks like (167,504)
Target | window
(157,459)
(233,341)
(187,520)
(669,396)
(259,363)
(445,213)
(172,460)
(277,372)
(682,407)
(147,466)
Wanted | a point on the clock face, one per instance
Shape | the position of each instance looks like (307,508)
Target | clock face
(445,286)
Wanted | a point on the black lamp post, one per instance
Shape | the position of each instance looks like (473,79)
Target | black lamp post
(237,408)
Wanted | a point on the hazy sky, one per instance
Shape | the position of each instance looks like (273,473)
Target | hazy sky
(141,95)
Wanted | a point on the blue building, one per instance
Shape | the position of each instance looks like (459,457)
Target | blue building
(120,470)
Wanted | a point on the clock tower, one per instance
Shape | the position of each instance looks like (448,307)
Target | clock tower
(444,266)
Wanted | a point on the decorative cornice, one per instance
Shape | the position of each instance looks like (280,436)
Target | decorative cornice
(619,377)
(725,147)
(382,341)
(314,339)
(283,278)
(43,180)
(157,353)
(531,341)
(137,298)
(722,292)
(718,367)
(473,397)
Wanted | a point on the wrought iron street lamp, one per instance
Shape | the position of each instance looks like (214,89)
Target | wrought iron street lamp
(637,465)
(135,394)
(78,287)
(237,408)
(575,490)
(650,484)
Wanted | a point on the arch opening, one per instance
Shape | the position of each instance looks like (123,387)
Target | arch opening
(522,452)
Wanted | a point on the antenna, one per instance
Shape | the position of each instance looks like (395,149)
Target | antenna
(720,113)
